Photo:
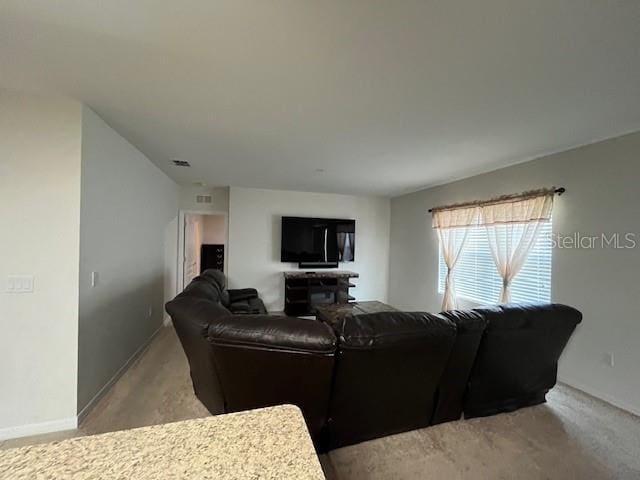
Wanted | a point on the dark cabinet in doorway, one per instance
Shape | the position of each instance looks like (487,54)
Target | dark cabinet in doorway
(212,256)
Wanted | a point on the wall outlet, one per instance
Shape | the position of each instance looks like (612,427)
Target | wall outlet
(94,279)
(609,359)
(19,284)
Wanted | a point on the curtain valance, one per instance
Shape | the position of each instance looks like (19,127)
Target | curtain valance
(458,217)
(528,207)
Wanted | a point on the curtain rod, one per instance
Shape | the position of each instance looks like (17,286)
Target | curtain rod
(557,191)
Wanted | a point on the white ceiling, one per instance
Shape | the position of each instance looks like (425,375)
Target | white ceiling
(384,96)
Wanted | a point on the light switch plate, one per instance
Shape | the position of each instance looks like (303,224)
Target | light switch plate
(19,284)
(609,359)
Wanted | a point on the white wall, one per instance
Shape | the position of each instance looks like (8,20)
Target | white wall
(219,197)
(602,197)
(127,205)
(254,239)
(214,229)
(40,218)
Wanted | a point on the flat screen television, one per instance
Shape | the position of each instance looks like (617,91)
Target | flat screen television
(317,240)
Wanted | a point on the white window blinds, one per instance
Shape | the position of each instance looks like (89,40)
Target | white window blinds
(477,279)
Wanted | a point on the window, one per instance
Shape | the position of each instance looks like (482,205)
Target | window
(477,279)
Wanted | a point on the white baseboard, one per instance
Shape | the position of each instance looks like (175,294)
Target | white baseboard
(600,395)
(70,423)
(73,422)
(101,393)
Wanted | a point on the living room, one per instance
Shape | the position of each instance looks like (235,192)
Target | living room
(389,187)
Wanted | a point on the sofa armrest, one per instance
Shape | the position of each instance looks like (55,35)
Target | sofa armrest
(237,295)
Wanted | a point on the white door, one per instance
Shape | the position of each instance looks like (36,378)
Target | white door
(192,245)
(171,258)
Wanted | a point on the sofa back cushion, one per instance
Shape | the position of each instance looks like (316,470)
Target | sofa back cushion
(201,287)
(267,360)
(219,281)
(387,372)
(216,276)
(517,360)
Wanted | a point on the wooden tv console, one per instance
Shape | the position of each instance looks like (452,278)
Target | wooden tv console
(303,291)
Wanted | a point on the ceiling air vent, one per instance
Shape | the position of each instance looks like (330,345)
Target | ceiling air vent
(203,199)
(180,163)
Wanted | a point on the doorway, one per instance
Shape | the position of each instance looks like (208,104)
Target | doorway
(202,244)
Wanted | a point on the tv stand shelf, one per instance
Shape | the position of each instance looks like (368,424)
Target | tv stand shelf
(305,290)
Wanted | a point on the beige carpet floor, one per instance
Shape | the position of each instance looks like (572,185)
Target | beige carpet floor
(573,436)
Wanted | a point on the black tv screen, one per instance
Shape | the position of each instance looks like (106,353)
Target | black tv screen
(317,240)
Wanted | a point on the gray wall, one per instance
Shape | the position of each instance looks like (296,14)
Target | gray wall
(126,203)
(603,196)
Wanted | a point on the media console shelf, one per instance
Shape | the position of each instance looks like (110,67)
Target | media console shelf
(303,291)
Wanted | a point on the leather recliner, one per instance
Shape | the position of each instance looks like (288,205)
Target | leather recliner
(240,362)
(191,313)
(238,301)
(375,374)
(517,361)
(272,360)
(387,372)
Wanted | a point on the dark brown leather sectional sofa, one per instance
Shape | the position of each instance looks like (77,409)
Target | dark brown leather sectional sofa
(372,375)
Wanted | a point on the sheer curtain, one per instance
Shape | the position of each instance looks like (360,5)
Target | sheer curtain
(513,228)
(453,226)
(513,224)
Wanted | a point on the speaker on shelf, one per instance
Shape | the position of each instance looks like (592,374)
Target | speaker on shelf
(318,265)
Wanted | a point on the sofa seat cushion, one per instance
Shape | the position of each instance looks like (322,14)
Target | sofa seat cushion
(253,306)
(240,307)
(241,294)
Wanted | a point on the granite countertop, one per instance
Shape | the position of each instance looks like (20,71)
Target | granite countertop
(267,443)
